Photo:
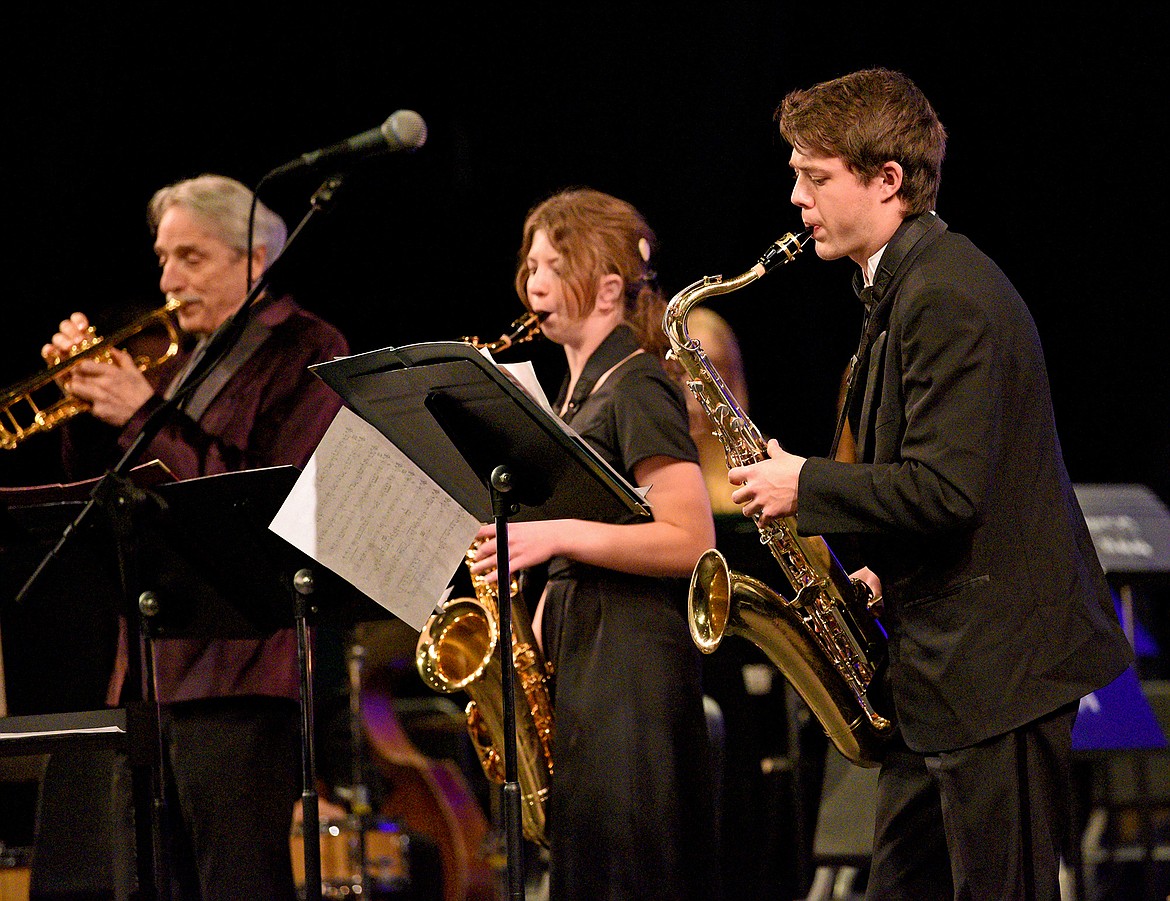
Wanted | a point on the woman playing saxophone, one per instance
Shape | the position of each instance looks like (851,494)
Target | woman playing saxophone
(630,811)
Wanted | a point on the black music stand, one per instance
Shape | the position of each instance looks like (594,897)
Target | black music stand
(496,452)
(207,565)
(215,549)
(60,639)
(1130,528)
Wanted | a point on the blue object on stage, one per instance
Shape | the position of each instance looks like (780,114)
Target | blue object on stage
(1117,717)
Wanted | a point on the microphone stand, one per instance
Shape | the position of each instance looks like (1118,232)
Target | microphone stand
(114,492)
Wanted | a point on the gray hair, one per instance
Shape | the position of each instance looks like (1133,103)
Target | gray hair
(222,205)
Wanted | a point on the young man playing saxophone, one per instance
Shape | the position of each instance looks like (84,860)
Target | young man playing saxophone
(998,614)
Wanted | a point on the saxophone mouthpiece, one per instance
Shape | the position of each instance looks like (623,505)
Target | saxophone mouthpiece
(783,250)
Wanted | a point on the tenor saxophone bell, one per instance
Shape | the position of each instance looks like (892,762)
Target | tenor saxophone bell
(724,602)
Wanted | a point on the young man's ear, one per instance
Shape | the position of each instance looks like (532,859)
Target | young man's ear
(891,179)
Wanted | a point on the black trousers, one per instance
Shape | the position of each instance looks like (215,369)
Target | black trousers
(981,823)
(232,779)
(232,776)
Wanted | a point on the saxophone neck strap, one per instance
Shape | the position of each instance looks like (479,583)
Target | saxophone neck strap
(601,379)
(904,247)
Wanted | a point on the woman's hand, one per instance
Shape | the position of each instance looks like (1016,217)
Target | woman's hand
(529,544)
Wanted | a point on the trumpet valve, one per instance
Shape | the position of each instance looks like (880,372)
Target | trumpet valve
(87,340)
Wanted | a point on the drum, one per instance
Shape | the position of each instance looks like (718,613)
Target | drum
(387,868)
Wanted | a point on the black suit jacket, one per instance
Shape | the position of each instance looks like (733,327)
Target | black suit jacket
(996,606)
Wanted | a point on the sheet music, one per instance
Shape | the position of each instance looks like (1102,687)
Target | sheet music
(49,733)
(524,375)
(367,512)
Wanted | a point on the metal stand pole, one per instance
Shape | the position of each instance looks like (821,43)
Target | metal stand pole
(311,822)
(501,483)
(359,801)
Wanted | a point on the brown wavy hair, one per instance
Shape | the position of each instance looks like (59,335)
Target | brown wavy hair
(597,234)
(868,118)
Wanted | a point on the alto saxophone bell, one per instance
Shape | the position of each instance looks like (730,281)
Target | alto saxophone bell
(460,649)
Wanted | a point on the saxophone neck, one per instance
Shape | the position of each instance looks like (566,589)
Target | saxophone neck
(525,328)
(781,251)
(674,322)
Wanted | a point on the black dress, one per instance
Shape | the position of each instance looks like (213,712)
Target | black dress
(630,810)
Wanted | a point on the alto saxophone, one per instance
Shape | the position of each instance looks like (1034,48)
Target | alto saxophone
(824,639)
(459,649)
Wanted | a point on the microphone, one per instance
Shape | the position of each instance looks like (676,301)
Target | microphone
(404,130)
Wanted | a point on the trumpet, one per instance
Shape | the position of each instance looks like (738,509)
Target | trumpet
(20,413)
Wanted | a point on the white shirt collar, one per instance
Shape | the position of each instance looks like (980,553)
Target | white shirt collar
(871,265)
(869,270)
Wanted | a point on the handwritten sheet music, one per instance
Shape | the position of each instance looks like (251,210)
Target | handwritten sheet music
(367,512)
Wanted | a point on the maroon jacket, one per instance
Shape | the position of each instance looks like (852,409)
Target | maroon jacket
(271,412)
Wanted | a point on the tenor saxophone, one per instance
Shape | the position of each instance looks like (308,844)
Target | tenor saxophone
(459,649)
(824,639)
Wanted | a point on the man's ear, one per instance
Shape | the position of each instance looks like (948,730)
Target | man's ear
(890,178)
(259,259)
(610,289)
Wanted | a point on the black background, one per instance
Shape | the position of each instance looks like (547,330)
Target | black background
(1053,167)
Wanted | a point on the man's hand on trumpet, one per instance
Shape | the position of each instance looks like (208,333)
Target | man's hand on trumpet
(115,390)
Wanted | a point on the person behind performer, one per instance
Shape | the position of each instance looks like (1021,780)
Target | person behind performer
(760,805)
(721,345)
(230,706)
(630,809)
(998,614)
